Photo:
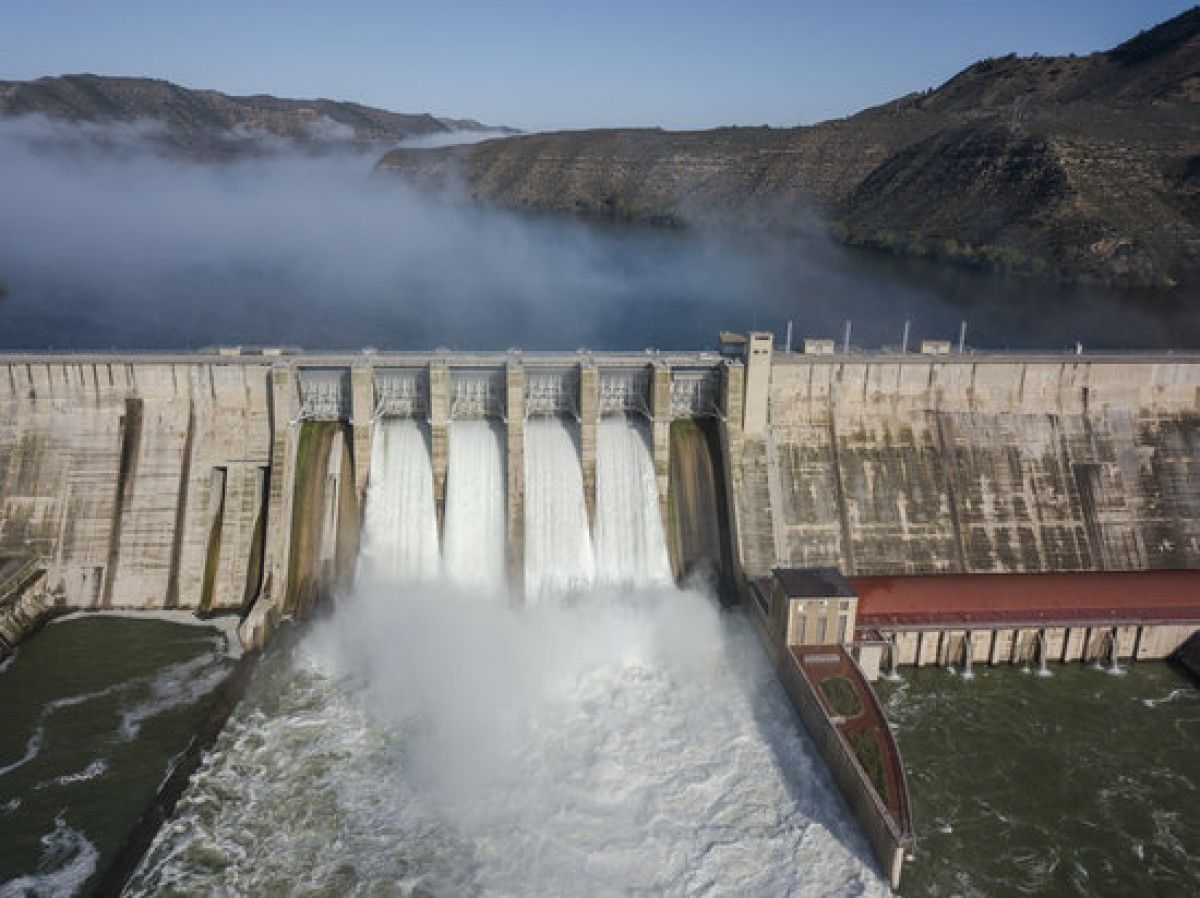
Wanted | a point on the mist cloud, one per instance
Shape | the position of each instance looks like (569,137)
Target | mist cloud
(106,242)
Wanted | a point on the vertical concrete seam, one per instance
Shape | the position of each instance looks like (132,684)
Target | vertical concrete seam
(948,468)
(181,500)
(131,439)
(840,492)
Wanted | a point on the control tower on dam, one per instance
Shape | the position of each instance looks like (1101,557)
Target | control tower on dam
(234,480)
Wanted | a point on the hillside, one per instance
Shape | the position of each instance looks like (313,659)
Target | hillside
(208,123)
(1081,168)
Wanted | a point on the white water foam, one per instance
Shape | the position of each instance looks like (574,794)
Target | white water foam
(67,860)
(630,546)
(400,535)
(97,768)
(558,544)
(172,687)
(475,547)
(33,745)
(1173,695)
(629,743)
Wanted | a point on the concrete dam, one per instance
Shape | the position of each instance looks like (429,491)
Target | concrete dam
(236,481)
(227,480)
(807,485)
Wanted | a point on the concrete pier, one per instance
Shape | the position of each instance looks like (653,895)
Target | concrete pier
(660,432)
(439,434)
(362,422)
(589,418)
(514,391)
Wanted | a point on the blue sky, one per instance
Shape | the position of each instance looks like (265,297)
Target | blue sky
(562,64)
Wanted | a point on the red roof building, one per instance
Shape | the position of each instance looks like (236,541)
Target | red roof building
(1038,599)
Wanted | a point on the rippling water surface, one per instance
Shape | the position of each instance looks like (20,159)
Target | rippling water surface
(95,711)
(1082,783)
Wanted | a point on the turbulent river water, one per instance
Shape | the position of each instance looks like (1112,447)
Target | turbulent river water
(1080,783)
(425,742)
(95,712)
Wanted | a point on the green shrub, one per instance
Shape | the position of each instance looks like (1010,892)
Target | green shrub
(866,749)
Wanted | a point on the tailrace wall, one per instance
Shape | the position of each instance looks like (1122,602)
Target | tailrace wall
(918,465)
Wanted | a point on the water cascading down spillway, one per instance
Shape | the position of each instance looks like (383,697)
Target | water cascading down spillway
(475,543)
(400,536)
(629,547)
(630,544)
(558,545)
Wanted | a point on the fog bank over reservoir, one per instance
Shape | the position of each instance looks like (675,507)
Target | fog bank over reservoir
(104,244)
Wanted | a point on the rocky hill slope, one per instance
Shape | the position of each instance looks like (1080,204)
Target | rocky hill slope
(1082,168)
(207,123)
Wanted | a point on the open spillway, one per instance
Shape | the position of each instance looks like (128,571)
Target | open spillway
(475,542)
(630,547)
(400,536)
(631,740)
(558,545)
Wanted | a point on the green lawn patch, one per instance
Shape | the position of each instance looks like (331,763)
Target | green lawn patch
(839,693)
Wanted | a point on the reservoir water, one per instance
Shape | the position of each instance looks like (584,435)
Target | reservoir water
(138,252)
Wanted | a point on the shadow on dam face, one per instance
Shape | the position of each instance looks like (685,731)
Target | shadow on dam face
(325,515)
(697,512)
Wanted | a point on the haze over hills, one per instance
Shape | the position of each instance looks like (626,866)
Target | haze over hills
(1080,168)
(210,124)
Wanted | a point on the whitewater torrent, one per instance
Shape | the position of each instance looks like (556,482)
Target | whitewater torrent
(475,547)
(630,546)
(625,739)
(558,542)
(400,537)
